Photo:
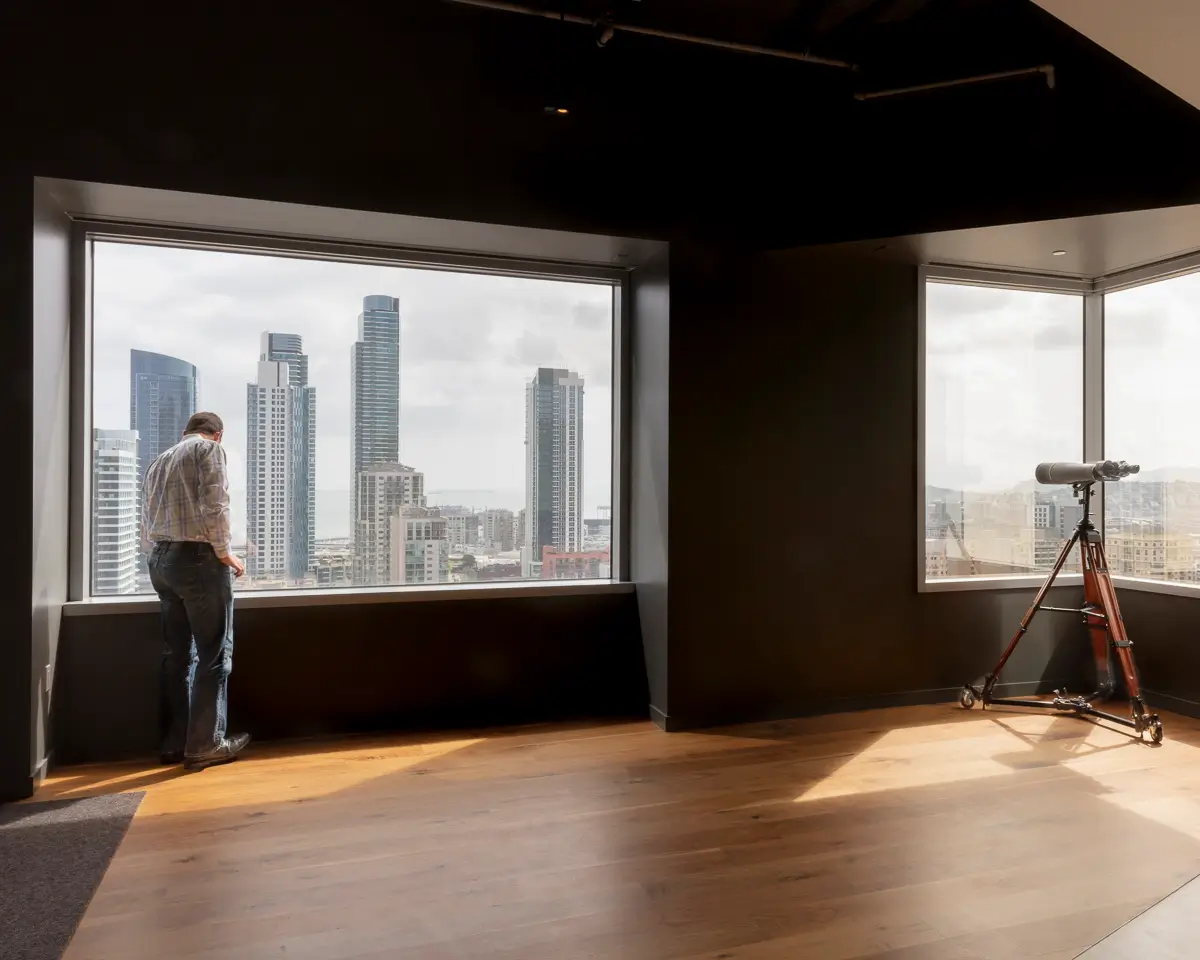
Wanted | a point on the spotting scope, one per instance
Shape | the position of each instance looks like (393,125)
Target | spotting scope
(1097,472)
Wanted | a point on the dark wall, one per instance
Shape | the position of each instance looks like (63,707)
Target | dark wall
(649,490)
(793,552)
(16,485)
(336,669)
(1165,631)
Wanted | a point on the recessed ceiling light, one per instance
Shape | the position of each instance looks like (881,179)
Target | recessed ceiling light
(1060,253)
(561,111)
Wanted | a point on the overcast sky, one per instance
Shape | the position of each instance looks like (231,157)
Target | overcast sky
(1005,383)
(468,345)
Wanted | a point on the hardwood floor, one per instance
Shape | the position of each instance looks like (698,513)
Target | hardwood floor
(928,833)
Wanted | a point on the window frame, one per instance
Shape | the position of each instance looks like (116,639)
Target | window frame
(86,231)
(1005,280)
(1093,292)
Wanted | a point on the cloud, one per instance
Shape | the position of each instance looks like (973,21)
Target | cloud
(533,350)
(592,316)
(1004,378)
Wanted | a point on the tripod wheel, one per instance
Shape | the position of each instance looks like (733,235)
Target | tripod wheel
(1156,731)
(967,698)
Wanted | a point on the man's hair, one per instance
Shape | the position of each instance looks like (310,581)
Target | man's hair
(208,423)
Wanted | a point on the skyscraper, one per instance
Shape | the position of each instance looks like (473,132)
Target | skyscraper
(302,463)
(383,489)
(375,384)
(162,398)
(271,409)
(553,466)
(374,399)
(116,537)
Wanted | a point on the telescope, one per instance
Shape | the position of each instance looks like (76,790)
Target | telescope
(1074,473)
(1100,613)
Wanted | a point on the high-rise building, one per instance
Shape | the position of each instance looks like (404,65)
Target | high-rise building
(272,405)
(381,491)
(162,398)
(498,529)
(302,465)
(420,548)
(116,523)
(553,467)
(374,399)
(462,526)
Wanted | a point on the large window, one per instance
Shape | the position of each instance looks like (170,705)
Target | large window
(385,425)
(1151,342)
(1003,392)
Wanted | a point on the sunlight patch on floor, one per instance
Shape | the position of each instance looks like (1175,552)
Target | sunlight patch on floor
(991,746)
(254,779)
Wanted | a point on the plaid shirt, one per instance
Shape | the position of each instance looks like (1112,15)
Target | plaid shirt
(185,496)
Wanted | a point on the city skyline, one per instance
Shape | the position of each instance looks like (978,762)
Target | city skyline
(471,341)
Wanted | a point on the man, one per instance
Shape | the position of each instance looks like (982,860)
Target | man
(185,529)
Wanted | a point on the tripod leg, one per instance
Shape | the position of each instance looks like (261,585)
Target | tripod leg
(1107,597)
(1096,617)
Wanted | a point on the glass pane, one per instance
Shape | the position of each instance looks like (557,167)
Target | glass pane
(1151,339)
(383,425)
(1003,392)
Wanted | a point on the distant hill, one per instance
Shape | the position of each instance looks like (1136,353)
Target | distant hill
(1186,474)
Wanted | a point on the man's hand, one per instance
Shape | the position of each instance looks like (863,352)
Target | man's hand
(238,567)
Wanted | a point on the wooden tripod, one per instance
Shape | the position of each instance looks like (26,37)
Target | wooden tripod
(1102,614)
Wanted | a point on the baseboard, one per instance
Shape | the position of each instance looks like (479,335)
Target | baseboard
(1167,701)
(812,708)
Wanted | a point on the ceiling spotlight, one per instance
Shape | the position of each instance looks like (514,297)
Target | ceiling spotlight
(1059,253)
(560,111)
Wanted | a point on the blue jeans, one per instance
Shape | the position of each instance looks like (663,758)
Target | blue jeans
(195,591)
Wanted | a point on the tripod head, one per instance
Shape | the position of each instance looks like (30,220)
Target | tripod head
(1084,473)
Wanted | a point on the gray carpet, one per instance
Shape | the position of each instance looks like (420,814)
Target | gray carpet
(52,858)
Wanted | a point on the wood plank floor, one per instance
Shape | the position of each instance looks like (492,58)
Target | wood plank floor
(927,832)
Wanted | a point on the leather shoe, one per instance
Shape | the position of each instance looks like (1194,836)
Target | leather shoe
(168,758)
(225,752)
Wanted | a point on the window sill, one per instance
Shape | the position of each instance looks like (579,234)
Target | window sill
(1019,582)
(259,599)
(1024,582)
(1173,587)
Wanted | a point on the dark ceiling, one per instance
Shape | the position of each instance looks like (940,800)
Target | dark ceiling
(437,108)
(886,41)
(844,29)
